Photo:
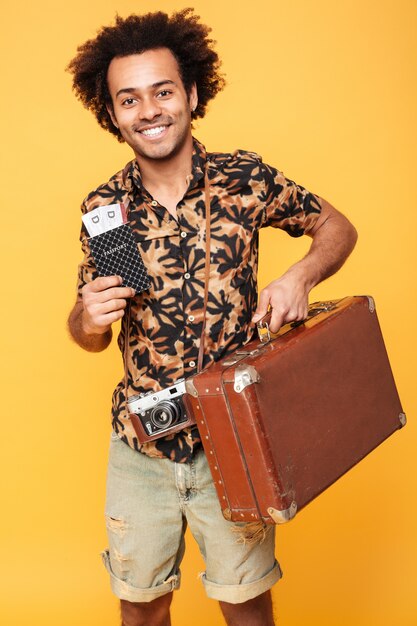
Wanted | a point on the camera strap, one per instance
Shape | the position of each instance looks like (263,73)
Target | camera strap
(206,268)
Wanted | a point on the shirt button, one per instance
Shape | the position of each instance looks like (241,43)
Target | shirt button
(186,275)
(192,364)
(183,234)
(191,318)
(154,203)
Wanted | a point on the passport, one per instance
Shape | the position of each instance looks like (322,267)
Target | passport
(115,253)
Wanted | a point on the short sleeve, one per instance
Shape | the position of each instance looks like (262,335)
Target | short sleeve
(288,205)
(86,270)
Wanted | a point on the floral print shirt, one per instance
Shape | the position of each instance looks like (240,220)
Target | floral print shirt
(165,322)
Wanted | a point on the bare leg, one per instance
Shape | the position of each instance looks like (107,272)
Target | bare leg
(255,612)
(155,613)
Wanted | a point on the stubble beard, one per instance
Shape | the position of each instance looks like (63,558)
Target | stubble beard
(159,152)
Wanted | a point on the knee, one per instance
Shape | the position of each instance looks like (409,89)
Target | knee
(155,613)
(254,612)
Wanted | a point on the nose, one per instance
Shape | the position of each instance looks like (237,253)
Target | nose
(150,108)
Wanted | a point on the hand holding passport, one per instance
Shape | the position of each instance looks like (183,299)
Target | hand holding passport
(113,246)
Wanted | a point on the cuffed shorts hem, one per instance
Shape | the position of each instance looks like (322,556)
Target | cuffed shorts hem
(124,591)
(235,594)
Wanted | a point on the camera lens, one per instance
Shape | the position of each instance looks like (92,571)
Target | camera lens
(165,414)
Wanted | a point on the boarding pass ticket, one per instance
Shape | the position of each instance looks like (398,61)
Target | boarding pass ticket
(104,218)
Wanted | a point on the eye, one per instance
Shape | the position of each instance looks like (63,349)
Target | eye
(164,93)
(128,101)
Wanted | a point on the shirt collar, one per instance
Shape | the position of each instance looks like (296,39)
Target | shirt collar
(198,164)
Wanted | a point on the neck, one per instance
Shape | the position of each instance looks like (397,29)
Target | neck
(167,174)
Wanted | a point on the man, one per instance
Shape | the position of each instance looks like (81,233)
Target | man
(146,79)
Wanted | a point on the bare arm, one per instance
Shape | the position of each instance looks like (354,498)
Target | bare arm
(102,303)
(334,238)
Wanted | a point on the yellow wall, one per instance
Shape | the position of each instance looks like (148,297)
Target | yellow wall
(325,91)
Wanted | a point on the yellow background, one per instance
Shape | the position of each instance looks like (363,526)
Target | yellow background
(326,92)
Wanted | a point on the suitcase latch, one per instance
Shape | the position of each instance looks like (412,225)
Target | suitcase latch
(245,375)
(264,334)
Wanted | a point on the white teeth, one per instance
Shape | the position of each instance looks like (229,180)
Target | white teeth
(150,132)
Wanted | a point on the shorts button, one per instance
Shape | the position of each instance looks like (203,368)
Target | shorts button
(187,275)
(183,234)
(191,318)
(192,363)
(154,203)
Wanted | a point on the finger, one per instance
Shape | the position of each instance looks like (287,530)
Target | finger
(99,323)
(114,293)
(277,320)
(297,314)
(111,305)
(102,283)
(106,320)
(96,313)
(262,308)
(112,317)
(108,294)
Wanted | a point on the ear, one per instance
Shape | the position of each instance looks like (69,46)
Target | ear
(111,113)
(193,98)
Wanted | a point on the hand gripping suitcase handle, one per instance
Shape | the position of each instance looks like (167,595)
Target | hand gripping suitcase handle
(265,334)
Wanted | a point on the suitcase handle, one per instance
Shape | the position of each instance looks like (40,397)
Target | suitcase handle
(265,334)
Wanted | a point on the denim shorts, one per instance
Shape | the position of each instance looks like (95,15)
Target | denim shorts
(149,504)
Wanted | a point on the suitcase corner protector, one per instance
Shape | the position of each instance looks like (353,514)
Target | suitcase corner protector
(227,514)
(371,303)
(403,419)
(190,388)
(245,375)
(284,515)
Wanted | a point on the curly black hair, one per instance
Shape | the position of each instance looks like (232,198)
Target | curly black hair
(181,33)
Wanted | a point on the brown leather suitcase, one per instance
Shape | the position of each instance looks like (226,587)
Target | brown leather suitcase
(284,419)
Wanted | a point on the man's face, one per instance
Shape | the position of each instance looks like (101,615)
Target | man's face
(150,105)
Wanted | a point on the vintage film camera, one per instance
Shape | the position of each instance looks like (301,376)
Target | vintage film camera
(156,414)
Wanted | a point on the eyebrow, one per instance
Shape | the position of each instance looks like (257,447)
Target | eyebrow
(153,86)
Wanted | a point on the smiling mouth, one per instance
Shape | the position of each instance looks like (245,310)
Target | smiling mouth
(153,132)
